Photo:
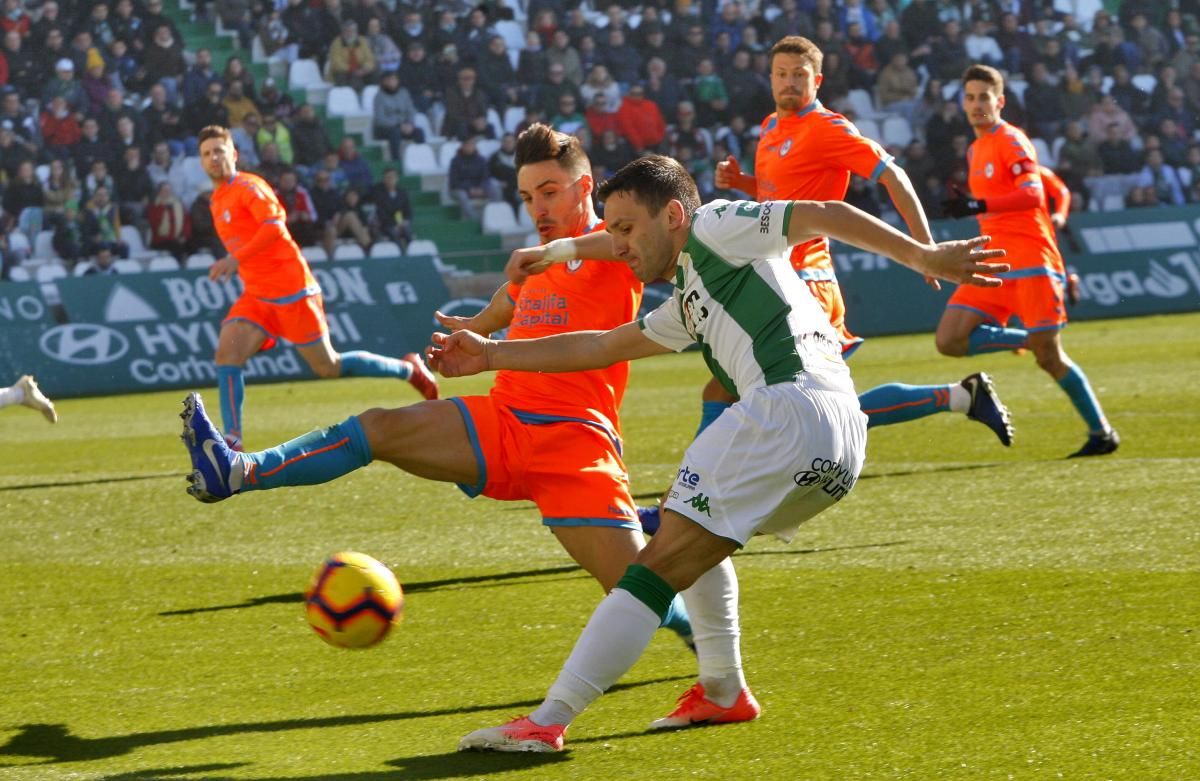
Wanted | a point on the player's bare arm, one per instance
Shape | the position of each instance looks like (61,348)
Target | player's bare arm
(534,260)
(904,198)
(464,353)
(496,315)
(963,262)
(729,176)
(223,269)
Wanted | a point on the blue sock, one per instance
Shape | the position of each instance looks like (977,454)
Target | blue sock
(994,339)
(1079,390)
(677,619)
(897,403)
(231,389)
(710,411)
(360,363)
(317,457)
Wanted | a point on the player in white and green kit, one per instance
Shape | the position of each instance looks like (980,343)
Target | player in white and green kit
(791,446)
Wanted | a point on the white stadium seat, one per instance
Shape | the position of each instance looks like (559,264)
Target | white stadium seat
(419,160)
(343,102)
(43,245)
(498,217)
(199,260)
(897,132)
(162,263)
(385,249)
(348,252)
(305,74)
(314,254)
(48,272)
(128,266)
(446,153)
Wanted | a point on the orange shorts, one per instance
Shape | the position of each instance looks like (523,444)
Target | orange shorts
(301,322)
(571,468)
(1037,299)
(829,295)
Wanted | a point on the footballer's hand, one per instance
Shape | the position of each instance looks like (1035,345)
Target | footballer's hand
(965,262)
(459,354)
(454,323)
(961,205)
(222,269)
(1058,220)
(525,262)
(727,172)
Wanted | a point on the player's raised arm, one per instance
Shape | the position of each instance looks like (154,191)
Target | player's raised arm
(534,260)
(496,315)
(963,262)
(464,353)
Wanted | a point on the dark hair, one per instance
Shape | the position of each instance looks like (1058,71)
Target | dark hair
(654,181)
(214,131)
(539,143)
(985,73)
(800,46)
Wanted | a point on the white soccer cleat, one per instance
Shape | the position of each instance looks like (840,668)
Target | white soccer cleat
(35,399)
(520,734)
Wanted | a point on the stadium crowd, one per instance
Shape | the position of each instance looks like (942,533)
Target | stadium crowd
(102,101)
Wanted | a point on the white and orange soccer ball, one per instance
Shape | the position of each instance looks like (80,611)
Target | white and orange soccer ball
(353,601)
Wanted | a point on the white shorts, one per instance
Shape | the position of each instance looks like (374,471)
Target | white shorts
(776,458)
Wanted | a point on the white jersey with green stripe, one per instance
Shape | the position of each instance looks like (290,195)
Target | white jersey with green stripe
(737,295)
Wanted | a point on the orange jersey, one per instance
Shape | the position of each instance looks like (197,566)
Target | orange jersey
(809,157)
(1058,193)
(999,162)
(240,207)
(581,295)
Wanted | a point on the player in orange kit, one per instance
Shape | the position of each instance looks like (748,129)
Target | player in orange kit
(553,439)
(807,152)
(281,298)
(1058,206)
(1008,197)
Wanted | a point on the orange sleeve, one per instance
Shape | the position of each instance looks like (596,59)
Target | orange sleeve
(1057,191)
(842,145)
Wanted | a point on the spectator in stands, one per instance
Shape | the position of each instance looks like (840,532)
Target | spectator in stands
(474,34)
(60,129)
(1141,197)
(469,180)
(387,53)
(275,132)
(134,186)
(709,94)
(395,115)
(1176,109)
(272,101)
(160,163)
(102,226)
(640,123)
(685,133)
(127,25)
(693,48)
(981,46)
(561,52)
(170,224)
(531,65)
(331,164)
(24,199)
(91,147)
(276,39)
(14,150)
(1190,173)
(66,86)
(662,88)
(1151,43)
(154,18)
(608,154)
(351,222)
(202,113)
(163,121)
(1156,175)
(790,21)
(1174,141)
(270,167)
(497,77)
(749,91)
(244,140)
(621,59)
(598,81)
(1116,152)
(577,27)
(1044,103)
(860,57)
(358,173)
(23,71)
(204,234)
(1186,58)
(466,109)
(61,187)
(303,22)
(599,118)
(393,209)
(327,200)
(237,72)
(1105,116)
(1078,152)
(502,167)
(418,76)
(412,30)
(329,21)
(68,235)
(897,85)
(49,54)
(162,62)
(24,124)
(15,19)
(122,65)
(310,142)
(238,104)
(301,212)
(126,138)
(351,62)
(568,119)
(556,85)
(198,77)
(1078,95)
(96,86)
(98,177)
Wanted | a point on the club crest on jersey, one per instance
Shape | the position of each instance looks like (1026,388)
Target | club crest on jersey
(574,265)
(227,216)
(787,147)
(1016,169)
(988,170)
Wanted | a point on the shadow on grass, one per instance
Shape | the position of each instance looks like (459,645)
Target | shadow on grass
(419,587)
(55,743)
(100,481)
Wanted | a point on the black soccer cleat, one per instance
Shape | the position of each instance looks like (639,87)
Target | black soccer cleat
(1098,444)
(987,408)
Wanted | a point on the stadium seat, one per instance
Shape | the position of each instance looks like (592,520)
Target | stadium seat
(19,274)
(348,252)
(861,105)
(43,245)
(128,266)
(1113,203)
(385,249)
(343,102)
(368,99)
(897,132)
(422,247)
(869,128)
(133,237)
(512,32)
(199,260)
(83,267)
(18,245)
(498,217)
(513,116)
(419,160)
(1044,155)
(446,153)
(1146,82)
(422,121)
(436,113)
(162,263)
(1018,86)
(314,254)
(950,90)
(48,272)
(493,118)
(305,74)
(524,220)
(487,147)
(1106,84)
(43,173)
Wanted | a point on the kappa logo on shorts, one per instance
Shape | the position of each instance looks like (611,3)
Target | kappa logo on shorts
(700,502)
(833,478)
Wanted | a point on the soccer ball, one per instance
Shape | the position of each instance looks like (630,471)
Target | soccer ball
(353,601)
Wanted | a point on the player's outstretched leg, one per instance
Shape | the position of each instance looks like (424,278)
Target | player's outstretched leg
(30,395)
(216,471)
(231,393)
(520,734)
(359,363)
(986,338)
(896,402)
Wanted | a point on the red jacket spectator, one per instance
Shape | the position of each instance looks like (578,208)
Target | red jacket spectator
(59,126)
(639,121)
(599,119)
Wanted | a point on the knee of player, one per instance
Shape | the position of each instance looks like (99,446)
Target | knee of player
(327,371)
(951,345)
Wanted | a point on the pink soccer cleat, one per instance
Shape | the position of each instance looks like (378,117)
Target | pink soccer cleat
(520,734)
(695,709)
(422,379)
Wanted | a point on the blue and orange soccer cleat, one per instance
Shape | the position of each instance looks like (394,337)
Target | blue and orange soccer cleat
(694,709)
(520,734)
(1098,444)
(216,469)
(987,408)
(421,378)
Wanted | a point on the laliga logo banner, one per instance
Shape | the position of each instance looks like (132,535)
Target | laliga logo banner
(156,331)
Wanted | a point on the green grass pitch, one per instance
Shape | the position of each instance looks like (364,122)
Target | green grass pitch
(968,612)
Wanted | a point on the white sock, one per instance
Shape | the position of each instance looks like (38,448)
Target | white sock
(960,398)
(612,641)
(13,395)
(712,603)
